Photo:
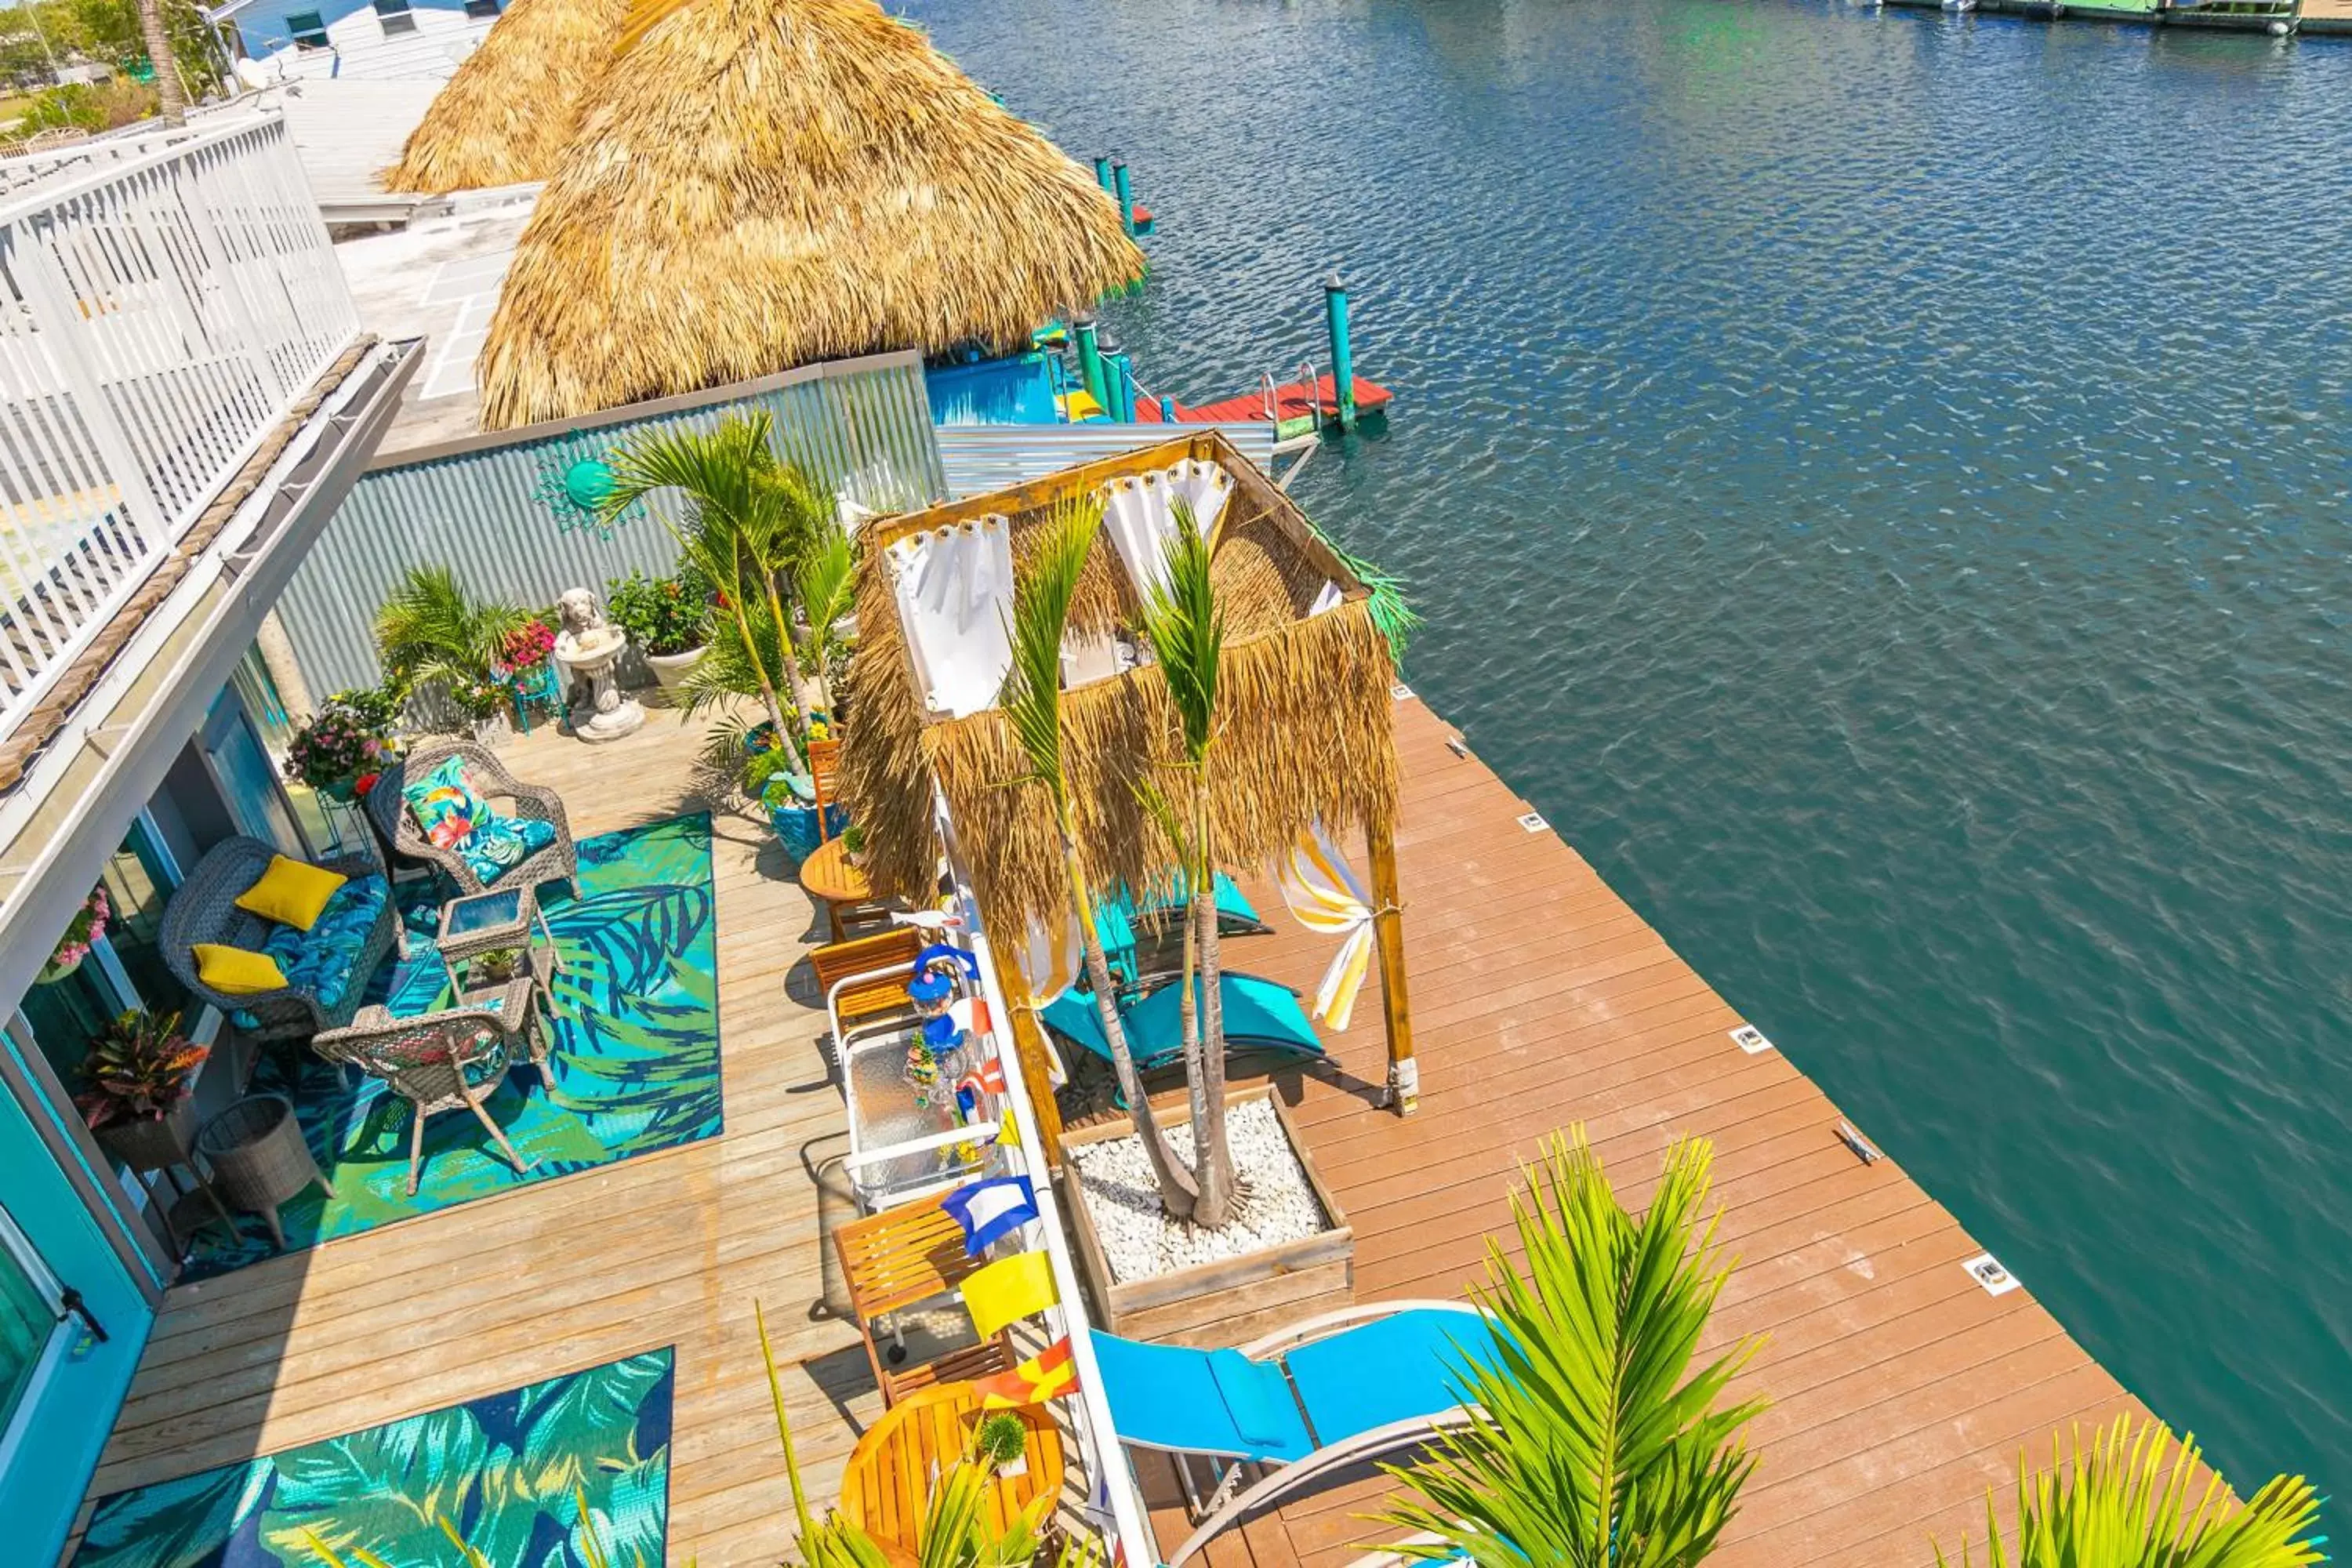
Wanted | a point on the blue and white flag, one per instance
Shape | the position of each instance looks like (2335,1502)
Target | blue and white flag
(990,1210)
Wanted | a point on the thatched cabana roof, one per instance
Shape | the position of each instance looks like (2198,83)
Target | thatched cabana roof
(768,182)
(514,103)
(1305,711)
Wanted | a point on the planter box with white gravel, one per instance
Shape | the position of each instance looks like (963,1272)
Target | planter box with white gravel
(1289,1255)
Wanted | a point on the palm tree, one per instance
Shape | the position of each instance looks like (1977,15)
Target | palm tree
(1186,628)
(750,516)
(2119,1506)
(1032,701)
(430,631)
(1587,1445)
(171,102)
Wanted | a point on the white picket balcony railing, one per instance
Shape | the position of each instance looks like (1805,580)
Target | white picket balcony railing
(165,300)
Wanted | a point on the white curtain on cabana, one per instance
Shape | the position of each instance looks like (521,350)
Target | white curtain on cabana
(1323,892)
(1140,514)
(955,599)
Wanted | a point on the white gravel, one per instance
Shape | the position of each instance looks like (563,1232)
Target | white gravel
(1139,1241)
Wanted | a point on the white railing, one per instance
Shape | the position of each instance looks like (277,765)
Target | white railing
(165,298)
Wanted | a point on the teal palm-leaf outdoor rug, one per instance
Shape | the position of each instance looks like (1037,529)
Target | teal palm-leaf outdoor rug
(505,1471)
(635,1063)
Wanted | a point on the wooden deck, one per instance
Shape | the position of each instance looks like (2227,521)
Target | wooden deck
(664,1249)
(1901,1389)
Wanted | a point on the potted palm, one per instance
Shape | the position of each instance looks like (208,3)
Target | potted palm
(431,633)
(138,1090)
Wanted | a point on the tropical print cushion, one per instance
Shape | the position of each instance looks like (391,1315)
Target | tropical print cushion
(501,843)
(320,960)
(446,809)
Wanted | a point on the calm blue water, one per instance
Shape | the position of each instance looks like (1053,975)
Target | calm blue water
(1878,483)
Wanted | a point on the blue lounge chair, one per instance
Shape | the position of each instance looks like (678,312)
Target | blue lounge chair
(1258,1012)
(1333,1392)
(1117,916)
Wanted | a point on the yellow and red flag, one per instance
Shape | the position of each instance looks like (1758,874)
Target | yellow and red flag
(1048,1375)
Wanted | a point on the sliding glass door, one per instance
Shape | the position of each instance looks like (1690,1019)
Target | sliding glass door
(32,1337)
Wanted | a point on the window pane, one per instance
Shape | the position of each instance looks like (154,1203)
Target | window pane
(403,22)
(25,1325)
(308,28)
(481,10)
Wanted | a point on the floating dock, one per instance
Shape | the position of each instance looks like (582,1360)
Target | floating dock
(2279,17)
(1296,407)
(1902,1388)
(1902,1385)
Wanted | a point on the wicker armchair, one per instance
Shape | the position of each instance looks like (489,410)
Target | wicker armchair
(436,1062)
(387,811)
(203,910)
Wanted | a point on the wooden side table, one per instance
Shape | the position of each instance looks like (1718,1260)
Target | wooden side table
(833,881)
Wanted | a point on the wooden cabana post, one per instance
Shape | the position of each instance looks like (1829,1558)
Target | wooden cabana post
(1388,936)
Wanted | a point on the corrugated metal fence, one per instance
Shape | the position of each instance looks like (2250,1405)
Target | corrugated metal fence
(982,457)
(492,508)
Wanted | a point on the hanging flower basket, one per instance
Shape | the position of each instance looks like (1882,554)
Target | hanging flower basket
(87,926)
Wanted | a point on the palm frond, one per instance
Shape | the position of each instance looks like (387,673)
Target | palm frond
(1186,628)
(827,581)
(1396,618)
(2117,1504)
(1592,1444)
(1031,698)
(429,628)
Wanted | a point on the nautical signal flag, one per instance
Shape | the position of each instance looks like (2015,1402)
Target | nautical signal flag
(991,1210)
(988,1078)
(1049,1374)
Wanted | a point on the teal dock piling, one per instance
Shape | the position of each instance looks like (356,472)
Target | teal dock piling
(1343,355)
(1090,364)
(1121,376)
(1102,176)
(1125,196)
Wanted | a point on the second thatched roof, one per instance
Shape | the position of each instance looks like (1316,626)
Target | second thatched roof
(1303,734)
(504,117)
(764,183)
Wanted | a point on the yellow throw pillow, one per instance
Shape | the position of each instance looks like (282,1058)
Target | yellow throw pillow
(234,972)
(291,893)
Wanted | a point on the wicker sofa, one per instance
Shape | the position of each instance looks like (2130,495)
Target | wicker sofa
(327,990)
(395,824)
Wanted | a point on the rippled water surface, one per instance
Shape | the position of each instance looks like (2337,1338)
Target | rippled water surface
(1878,483)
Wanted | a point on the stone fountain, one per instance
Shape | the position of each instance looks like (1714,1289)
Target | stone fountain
(587,648)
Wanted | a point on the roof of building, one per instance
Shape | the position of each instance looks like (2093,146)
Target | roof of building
(772,182)
(439,279)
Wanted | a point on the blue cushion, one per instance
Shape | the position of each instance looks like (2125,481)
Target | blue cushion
(1257,1399)
(501,843)
(319,961)
(330,949)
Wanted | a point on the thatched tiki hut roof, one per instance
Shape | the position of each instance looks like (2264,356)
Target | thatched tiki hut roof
(1305,710)
(768,182)
(514,103)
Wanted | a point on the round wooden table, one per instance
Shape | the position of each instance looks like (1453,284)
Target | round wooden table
(886,1486)
(833,881)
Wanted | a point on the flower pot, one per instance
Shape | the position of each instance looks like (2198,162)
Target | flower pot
(52,973)
(494,731)
(344,790)
(150,1145)
(670,669)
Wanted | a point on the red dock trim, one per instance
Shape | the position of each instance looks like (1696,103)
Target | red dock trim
(1292,401)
